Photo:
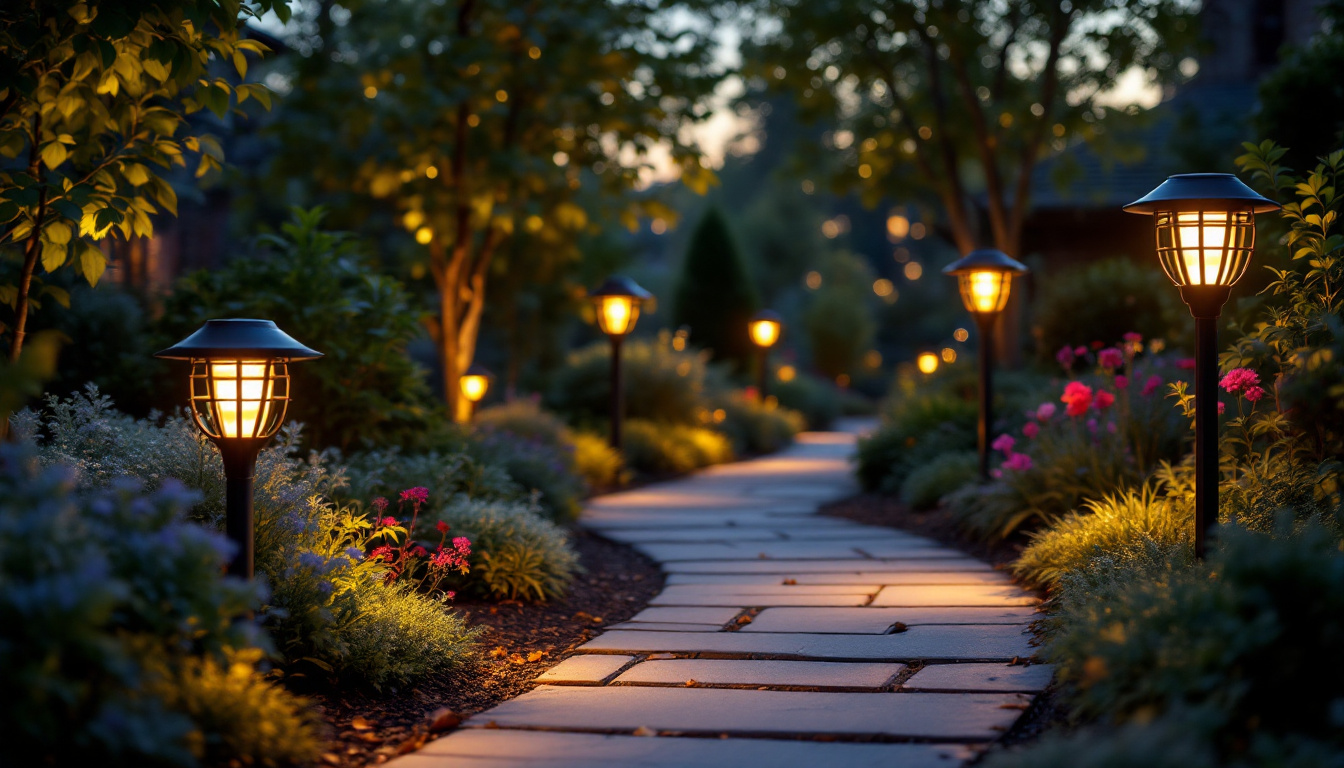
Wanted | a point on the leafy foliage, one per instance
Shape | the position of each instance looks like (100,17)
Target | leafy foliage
(1102,302)
(661,383)
(547,470)
(838,320)
(756,427)
(601,466)
(95,104)
(815,398)
(1300,101)
(715,296)
(917,426)
(516,553)
(321,288)
(658,448)
(929,482)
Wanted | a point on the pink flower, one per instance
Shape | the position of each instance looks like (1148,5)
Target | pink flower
(1110,358)
(1065,357)
(1150,386)
(1031,429)
(1238,379)
(1078,397)
(1122,382)
(1110,427)
(381,553)
(996,473)
(1092,426)
(1104,400)
(441,526)
(449,595)
(1222,407)
(388,521)
(419,551)
(1080,351)
(1254,393)
(1045,411)
(1133,337)
(1018,462)
(463,545)
(1186,363)
(1004,443)
(417,495)
(379,504)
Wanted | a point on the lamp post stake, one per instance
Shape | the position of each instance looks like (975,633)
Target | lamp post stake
(985,325)
(1206,430)
(617,392)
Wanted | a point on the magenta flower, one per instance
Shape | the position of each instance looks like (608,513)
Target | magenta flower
(1080,351)
(1222,407)
(1018,462)
(1132,337)
(1065,357)
(381,553)
(1092,426)
(1031,430)
(379,504)
(1110,358)
(1186,363)
(441,526)
(417,495)
(1238,379)
(388,521)
(1150,386)
(1004,443)
(1122,382)
(1254,393)
(1045,411)
(1110,427)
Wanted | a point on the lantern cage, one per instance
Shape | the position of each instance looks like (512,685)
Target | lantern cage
(985,278)
(617,302)
(1205,247)
(239,398)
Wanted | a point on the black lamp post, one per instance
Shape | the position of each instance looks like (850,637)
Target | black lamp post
(1205,226)
(239,394)
(617,302)
(765,328)
(474,384)
(985,278)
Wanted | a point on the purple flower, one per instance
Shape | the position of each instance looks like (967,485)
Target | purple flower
(1004,443)
(1110,358)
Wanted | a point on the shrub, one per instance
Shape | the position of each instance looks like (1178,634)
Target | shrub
(321,288)
(817,399)
(119,627)
(672,448)
(601,466)
(535,465)
(929,482)
(1252,635)
(525,419)
(447,475)
(916,427)
(661,384)
(1102,301)
(756,427)
(714,295)
(1169,743)
(397,636)
(515,552)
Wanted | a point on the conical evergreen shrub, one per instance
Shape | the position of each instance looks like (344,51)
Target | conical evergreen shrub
(715,296)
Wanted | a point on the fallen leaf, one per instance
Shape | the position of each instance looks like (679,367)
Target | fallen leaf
(790,582)
(517,658)
(442,719)
(898,628)
(372,738)
(690,683)
(1013,706)
(597,619)
(331,759)
(492,724)
(661,656)
(743,619)
(645,730)
(535,655)
(498,653)
(360,723)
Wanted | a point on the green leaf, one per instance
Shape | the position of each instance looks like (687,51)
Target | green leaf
(8,210)
(92,262)
(53,255)
(56,233)
(61,295)
(53,154)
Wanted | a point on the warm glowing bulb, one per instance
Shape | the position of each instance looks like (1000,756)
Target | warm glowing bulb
(927,362)
(617,314)
(242,396)
(985,290)
(786,373)
(764,332)
(474,386)
(1209,250)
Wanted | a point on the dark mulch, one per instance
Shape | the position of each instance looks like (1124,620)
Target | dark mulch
(1048,710)
(521,640)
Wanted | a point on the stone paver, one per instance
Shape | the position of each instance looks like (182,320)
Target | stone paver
(711,710)
(981,677)
(845,608)
(585,669)
(481,748)
(771,672)
(876,621)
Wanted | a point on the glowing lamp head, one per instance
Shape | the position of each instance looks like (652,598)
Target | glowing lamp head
(475,383)
(927,362)
(617,303)
(1205,224)
(985,278)
(765,327)
(239,376)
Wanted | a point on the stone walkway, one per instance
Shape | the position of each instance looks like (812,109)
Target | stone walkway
(782,638)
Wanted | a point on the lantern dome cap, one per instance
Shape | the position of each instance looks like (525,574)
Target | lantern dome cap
(476,369)
(620,286)
(767,315)
(239,339)
(984,260)
(1202,191)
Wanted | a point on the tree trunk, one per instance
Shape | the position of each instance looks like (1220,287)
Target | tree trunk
(32,250)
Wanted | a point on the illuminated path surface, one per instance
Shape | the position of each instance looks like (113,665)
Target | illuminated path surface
(865,646)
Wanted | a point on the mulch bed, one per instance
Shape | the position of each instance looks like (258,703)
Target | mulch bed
(1048,711)
(521,640)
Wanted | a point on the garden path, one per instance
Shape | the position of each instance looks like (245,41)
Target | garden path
(783,638)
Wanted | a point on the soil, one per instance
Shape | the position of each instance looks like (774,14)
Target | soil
(1048,710)
(520,641)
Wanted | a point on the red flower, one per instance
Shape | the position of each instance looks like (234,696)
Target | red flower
(1151,385)
(416,495)
(419,552)
(1110,358)
(1104,400)
(382,553)
(379,504)
(1078,398)
(442,526)
(388,521)
(1186,363)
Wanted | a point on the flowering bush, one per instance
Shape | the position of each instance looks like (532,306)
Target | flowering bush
(516,553)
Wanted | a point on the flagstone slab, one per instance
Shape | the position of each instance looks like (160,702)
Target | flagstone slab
(794,550)
(792,567)
(850,599)
(507,748)
(892,578)
(876,621)
(687,615)
(653,626)
(968,716)
(934,594)
(932,642)
(771,672)
(593,669)
(980,677)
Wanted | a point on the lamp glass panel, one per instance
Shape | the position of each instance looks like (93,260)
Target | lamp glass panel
(243,391)
(616,315)
(764,332)
(474,387)
(985,291)
(927,362)
(1205,247)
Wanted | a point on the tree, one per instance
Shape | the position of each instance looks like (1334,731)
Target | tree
(715,296)
(959,99)
(93,104)
(477,119)
(839,319)
(1307,83)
